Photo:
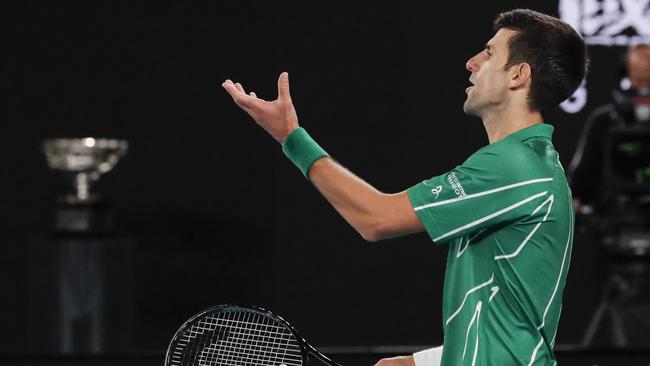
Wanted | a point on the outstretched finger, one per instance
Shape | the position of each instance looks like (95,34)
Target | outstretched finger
(283,86)
(230,88)
(240,98)
(240,87)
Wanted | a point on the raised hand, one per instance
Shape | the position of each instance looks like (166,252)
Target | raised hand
(277,117)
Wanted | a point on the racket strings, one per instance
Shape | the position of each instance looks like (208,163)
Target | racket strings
(237,339)
(248,342)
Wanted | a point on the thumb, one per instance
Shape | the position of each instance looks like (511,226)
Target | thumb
(283,86)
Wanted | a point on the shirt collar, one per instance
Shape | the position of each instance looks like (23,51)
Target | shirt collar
(537,130)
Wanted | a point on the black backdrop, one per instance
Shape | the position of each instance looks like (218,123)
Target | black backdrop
(213,211)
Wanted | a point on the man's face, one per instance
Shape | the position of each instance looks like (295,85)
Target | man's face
(489,78)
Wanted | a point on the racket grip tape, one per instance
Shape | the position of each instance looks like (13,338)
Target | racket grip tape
(302,150)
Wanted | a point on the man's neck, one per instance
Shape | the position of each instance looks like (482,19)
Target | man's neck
(500,125)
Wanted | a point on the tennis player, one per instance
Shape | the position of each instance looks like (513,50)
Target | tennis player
(505,213)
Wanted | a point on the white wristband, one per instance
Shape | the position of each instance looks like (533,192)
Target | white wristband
(428,357)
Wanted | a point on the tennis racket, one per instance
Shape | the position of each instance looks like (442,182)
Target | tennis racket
(230,335)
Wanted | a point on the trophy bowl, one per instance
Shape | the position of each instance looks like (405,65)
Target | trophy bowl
(84,160)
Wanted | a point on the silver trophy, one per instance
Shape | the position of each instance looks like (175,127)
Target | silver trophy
(84,160)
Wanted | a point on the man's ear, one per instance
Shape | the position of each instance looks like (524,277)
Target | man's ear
(520,75)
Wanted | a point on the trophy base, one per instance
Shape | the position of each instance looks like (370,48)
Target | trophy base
(72,199)
(89,216)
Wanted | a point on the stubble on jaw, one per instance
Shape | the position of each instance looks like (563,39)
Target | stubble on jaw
(467,108)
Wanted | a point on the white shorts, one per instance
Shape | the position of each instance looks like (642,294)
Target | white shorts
(428,357)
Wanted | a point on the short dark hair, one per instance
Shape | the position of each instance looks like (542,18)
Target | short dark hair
(557,55)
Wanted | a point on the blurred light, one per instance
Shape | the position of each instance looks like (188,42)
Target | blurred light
(625,84)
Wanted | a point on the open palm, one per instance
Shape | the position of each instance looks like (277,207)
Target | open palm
(277,117)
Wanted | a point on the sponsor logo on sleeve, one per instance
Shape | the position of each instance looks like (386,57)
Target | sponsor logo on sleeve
(435,190)
(455,184)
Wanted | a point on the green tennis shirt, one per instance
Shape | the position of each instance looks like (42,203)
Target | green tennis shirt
(507,216)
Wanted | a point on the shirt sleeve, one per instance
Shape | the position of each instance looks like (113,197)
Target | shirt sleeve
(487,190)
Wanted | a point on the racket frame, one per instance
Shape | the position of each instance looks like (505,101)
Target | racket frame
(306,349)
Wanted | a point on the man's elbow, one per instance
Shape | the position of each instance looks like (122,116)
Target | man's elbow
(371,237)
(375,232)
(389,228)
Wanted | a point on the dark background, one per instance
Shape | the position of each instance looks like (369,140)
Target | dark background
(208,210)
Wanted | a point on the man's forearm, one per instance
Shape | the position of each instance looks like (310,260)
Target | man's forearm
(373,214)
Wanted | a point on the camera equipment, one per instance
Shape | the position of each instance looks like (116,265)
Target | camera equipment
(627,160)
(622,226)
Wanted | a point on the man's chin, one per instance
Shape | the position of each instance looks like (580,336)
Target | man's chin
(468,109)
